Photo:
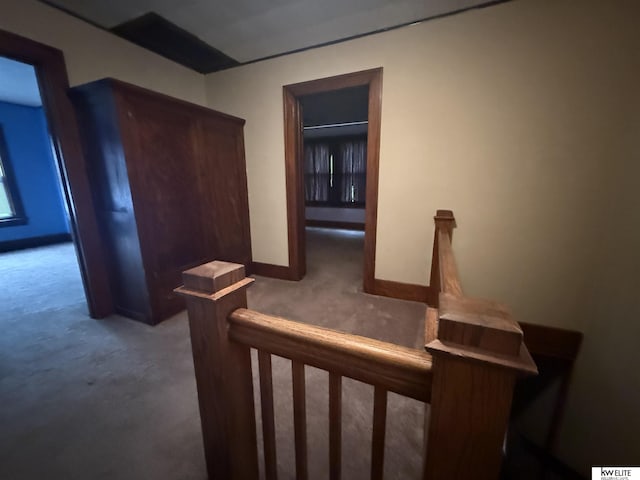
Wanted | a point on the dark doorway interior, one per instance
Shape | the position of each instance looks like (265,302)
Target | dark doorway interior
(335,160)
(366,84)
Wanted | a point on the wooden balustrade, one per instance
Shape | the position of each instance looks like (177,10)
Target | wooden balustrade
(478,352)
(474,354)
(221,325)
(402,370)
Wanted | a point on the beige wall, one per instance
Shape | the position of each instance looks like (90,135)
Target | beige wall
(523,118)
(91,53)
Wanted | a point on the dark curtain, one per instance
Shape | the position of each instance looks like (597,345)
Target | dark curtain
(316,172)
(353,167)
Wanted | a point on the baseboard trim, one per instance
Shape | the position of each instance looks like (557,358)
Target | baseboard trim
(337,225)
(272,271)
(11,245)
(385,288)
(402,291)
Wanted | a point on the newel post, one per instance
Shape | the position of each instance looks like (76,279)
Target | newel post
(222,368)
(444,222)
(477,356)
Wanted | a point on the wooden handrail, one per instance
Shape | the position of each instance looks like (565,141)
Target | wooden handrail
(444,272)
(477,351)
(399,369)
(474,353)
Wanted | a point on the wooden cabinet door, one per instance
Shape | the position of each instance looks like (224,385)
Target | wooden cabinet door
(223,187)
(160,139)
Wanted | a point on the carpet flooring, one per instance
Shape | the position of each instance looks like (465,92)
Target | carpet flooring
(116,399)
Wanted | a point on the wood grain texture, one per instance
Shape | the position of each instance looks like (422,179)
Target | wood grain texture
(335,426)
(552,341)
(469,413)
(434,277)
(522,363)
(293,165)
(293,146)
(268,418)
(444,273)
(449,279)
(478,323)
(223,188)
(399,369)
(477,351)
(373,173)
(431,325)
(224,382)
(213,276)
(61,119)
(170,182)
(300,419)
(402,291)
(272,271)
(379,432)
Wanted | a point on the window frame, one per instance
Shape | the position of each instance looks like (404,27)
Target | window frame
(333,143)
(11,187)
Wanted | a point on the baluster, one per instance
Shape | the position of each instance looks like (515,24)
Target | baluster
(268,421)
(335,426)
(379,431)
(299,419)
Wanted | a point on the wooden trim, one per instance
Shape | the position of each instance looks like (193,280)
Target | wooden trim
(272,271)
(402,370)
(379,432)
(336,225)
(53,81)
(268,417)
(222,369)
(293,142)
(553,342)
(469,415)
(11,245)
(335,426)
(402,291)
(299,419)
(373,167)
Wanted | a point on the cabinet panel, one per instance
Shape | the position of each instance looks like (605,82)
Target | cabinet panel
(223,187)
(163,169)
(171,177)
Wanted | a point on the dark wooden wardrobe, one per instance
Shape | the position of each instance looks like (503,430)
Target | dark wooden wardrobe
(170,188)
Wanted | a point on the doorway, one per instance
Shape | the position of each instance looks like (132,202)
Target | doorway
(53,84)
(294,143)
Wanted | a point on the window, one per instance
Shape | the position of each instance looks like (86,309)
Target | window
(335,172)
(11,212)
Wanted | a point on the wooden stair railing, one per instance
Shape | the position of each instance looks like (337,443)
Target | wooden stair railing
(478,352)
(475,351)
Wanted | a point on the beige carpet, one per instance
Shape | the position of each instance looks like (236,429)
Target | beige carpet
(331,296)
(115,399)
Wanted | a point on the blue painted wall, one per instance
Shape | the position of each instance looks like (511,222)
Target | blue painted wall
(27,138)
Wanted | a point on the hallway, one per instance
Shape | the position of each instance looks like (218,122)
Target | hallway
(115,398)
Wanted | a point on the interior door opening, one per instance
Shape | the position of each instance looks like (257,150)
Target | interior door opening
(67,168)
(35,226)
(369,83)
(335,127)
